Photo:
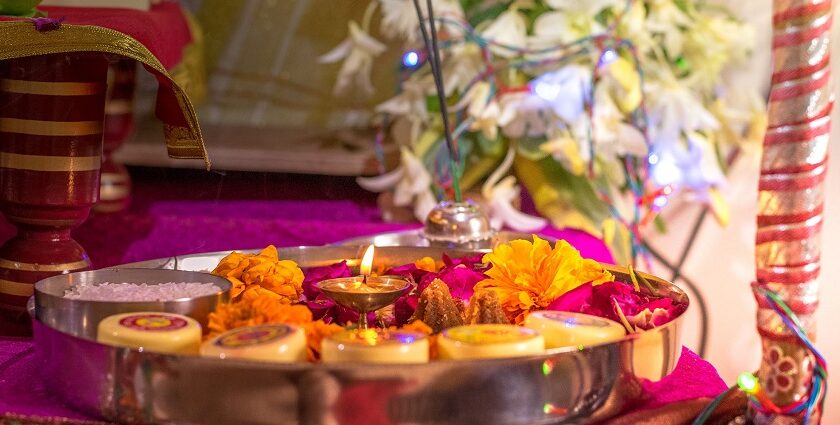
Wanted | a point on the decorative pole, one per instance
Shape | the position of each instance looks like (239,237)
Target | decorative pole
(790,206)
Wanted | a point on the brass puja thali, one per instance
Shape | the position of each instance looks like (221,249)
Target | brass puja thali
(580,384)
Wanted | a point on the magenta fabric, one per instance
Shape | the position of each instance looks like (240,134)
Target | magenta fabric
(22,391)
(176,212)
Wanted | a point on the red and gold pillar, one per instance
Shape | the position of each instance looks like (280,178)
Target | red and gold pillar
(794,165)
(115,187)
(51,114)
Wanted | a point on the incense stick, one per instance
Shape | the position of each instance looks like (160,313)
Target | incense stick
(433,53)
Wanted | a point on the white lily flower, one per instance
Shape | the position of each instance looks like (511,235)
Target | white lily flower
(399,18)
(633,26)
(566,90)
(573,20)
(509,29)
(500,193)
(410,181)
(587,7)
(358,51)
(487,121)
(524,114)
(482,108)
(674,108)
(461,65)
(711,44)
(409,104)
(667,19)
(611,134)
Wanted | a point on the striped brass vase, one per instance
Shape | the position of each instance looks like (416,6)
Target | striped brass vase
(51,115)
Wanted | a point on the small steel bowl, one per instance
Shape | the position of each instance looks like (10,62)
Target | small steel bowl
(461,225)
(82,317)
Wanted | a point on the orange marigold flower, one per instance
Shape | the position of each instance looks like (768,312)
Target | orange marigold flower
(256,309)
(529,276)
(315,333)
(264,270)
(427,264)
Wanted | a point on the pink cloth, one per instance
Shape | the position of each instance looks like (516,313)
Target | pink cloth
(163,29)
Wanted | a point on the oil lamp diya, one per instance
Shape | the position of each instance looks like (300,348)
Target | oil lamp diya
(365,293)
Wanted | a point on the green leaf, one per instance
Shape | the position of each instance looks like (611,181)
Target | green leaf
(433,104)
(492,147)
(529,147)
(579,190)
(659,224)
(481,15)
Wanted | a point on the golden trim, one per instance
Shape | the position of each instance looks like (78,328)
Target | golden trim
(20,39)
(50,128)
(50,88)
(41,221)
(35,267)
(17,161)
(113,193)
(16,288)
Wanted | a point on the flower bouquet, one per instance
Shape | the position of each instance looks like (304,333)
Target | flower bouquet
(604,110)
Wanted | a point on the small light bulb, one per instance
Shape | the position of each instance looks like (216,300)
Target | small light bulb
(748,383)
(660,201)
(410,59)
(608,57)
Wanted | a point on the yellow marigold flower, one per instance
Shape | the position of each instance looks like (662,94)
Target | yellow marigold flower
(427,264)
(529,276)
(264,270)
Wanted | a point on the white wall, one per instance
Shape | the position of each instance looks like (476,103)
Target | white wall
(722,259)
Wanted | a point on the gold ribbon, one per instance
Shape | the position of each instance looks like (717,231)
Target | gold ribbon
(49,163)
(16,288)
(50,88)
(50,128)
(19,39)
(35,267)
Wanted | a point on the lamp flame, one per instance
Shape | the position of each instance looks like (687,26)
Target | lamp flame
(367,261)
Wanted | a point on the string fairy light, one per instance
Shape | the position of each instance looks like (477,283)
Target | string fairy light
(751,386)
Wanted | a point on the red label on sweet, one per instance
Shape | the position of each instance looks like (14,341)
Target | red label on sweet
(250,337)
(153,322)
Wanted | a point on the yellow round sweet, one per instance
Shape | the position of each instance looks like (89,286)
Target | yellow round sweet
(565,329)
(274,343)
(151,331)
(489,341)
(375,346)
